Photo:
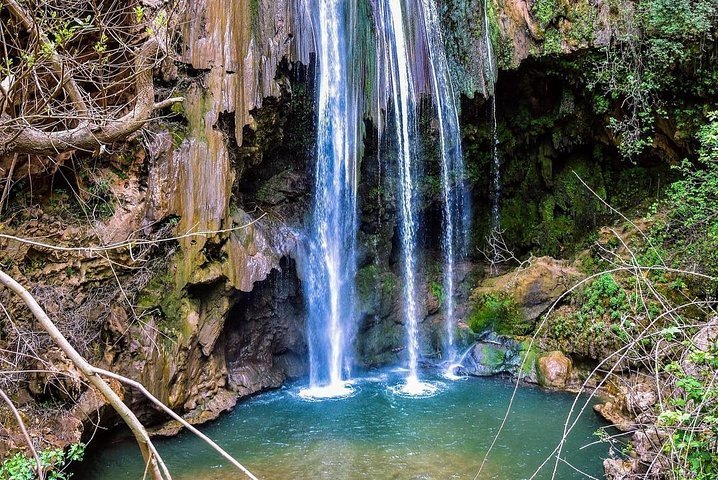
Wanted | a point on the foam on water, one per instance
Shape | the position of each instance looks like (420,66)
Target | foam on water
(449,372)
(415,388)
(328,392)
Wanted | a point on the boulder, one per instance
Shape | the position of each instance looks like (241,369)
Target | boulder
(553,370)
(614,413)
(496,354)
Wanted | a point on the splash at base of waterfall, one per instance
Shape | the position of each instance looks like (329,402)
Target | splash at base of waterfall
(413,387)
(455,369)
(454,372)
(328,392)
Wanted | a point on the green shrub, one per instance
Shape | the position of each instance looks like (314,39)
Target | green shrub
(54,462)
(690,233)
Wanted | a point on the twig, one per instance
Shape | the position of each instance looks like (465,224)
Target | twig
(127,243)
(143,440)
(28,440)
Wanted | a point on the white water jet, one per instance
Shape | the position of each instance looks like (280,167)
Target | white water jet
(455,208)
(450,372)
(403,103)
(495,172)
(495,160)
(489,50)
(332,242)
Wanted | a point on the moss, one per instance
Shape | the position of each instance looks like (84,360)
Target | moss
(581,29)
(254,17)
(437,290)
(548,204)
(499,313)
(506,54)
(529,355)
(516,215)
(163,293)
(367,279)
(373,282)
(492,356)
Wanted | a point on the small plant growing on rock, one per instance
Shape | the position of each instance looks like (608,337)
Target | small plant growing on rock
(54,462)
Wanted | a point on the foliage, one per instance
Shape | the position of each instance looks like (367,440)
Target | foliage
(54,462)
(691,414)
(691,228)
(693,199)
(545,11)
(601,316)
(660,51)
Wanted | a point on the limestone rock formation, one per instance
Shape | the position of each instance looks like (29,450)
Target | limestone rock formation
(534,288)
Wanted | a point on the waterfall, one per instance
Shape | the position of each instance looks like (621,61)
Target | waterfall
(403,103)
(455,211)
(331,265)
(495,189)
(414,61)
(409,62)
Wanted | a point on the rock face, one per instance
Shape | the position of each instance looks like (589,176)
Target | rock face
(265,341)
(531,289)
(531,28)
(189,354)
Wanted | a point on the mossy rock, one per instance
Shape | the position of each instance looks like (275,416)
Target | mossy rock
(375,289)
(553,370)
(497,312)
(511,303)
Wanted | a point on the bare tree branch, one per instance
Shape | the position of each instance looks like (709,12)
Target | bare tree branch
(90,135)
(148,450)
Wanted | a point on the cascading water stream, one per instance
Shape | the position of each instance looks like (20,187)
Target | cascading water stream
(393,36)
(332,243)
(495,172)
(495,160)
(455,223)
(410,61)
(404,104)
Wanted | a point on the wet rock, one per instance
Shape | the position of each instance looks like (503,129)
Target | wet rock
(495,354)
(222,401)
(265,343)
(284,187)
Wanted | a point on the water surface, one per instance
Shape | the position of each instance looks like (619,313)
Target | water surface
(377,434)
